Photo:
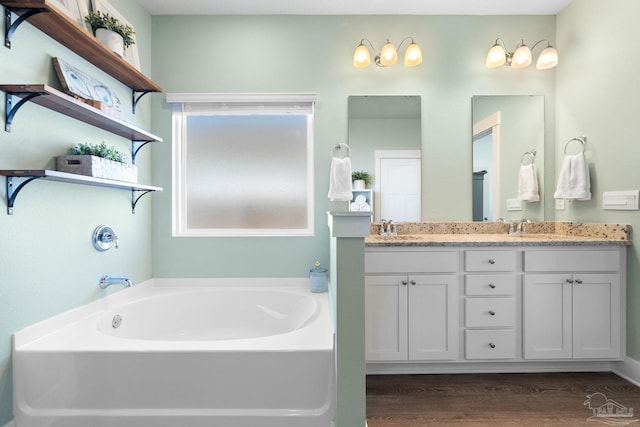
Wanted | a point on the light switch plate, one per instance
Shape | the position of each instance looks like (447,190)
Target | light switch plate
(620,200)
(514,204)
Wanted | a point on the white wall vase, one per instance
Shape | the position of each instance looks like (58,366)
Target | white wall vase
(112,40)
(358,184)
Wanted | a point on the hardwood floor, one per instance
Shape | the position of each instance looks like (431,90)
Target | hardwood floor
(555,399)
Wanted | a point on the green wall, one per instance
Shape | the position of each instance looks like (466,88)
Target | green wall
(314,54)
(47,261)
(598,88)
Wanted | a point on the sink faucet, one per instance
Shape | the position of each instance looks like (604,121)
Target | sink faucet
(106,281)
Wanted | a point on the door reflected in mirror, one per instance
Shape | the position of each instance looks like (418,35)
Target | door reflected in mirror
(507,130)
(385,140)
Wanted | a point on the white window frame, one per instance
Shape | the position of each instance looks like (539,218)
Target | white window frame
(184,104)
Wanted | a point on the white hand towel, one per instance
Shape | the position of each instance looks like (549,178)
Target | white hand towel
(574,181)
(340,180)
(528,183)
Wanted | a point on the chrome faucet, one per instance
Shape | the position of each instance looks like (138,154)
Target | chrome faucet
(106,281)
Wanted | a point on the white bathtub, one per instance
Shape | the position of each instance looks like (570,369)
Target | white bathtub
(185,353)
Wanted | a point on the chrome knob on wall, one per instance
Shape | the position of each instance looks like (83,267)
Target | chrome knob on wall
(104,238)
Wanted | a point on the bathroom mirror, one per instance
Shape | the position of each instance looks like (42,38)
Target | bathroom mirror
(384,133)
(508,133)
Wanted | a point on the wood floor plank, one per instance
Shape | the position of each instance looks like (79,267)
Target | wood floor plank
(548,399)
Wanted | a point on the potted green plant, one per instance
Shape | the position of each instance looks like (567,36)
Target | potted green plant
(109,30)
(361,179)
(99,161)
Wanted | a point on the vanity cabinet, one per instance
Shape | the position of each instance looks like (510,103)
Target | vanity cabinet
(573,305)
(411,305)
(490,308)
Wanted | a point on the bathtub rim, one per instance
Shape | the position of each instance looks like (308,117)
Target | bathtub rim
(43,335)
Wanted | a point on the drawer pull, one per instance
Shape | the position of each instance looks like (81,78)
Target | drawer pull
(404,283)
(492,345)
(491,312)
(492,261)
(492,285)
(579,281)
(569,280)
(413,282)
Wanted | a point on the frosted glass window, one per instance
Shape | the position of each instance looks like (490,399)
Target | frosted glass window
(243,174)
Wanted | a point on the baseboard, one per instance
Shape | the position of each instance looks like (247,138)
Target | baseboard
(629,369)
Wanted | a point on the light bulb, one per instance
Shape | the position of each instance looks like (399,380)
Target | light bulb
(548,59)
(361,57)
(413,55)
(496,56)
(388,54)
(521,57)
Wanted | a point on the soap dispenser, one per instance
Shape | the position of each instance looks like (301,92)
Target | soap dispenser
(318,278)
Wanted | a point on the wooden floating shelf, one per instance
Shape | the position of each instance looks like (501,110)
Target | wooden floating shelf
(60,27)
(18,178)
(56,100)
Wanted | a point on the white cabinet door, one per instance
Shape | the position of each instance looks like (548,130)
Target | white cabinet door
(546,316)
(572,316)
(433,317)
(596,316)
(386,317)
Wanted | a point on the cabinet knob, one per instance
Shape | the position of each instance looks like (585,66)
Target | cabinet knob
(492,261)
(404,283)
(492,345)
(492,285)
(578,281)
(413,282)
(569,280)
(491,312)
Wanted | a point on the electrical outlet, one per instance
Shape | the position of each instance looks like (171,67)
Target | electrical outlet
(559,204)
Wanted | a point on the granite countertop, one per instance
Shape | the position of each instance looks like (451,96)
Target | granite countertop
(540,233)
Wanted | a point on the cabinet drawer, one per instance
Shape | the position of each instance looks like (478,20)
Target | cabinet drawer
(572,260)
(490,260)
(411,262)
(490,312)
(490,284)
(490,344)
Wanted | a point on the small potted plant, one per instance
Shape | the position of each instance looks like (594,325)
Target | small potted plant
(110,31)
(99,161)
(361,180)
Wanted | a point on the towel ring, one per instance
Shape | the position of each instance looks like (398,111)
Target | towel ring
(581,139)
(338,149)
(531,153)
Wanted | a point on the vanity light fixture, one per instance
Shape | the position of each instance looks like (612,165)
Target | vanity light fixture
(499,55)
(388,54)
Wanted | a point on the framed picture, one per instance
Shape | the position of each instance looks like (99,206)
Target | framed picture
(80,84)
(131,53)
(74,9)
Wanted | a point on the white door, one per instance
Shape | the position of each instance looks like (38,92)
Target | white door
(386,317)
(399,189)
(433,314)
(547,316)
(596,316)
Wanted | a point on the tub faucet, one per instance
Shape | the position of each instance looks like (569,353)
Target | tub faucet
(106,281)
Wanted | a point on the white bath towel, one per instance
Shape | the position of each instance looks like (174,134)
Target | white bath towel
(573,181)
(528,183)
(340,180)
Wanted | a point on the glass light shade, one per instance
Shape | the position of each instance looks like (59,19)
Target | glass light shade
(413,55)
(361,57)
(388,54)
(496,56)
(521,57)
(548,59)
